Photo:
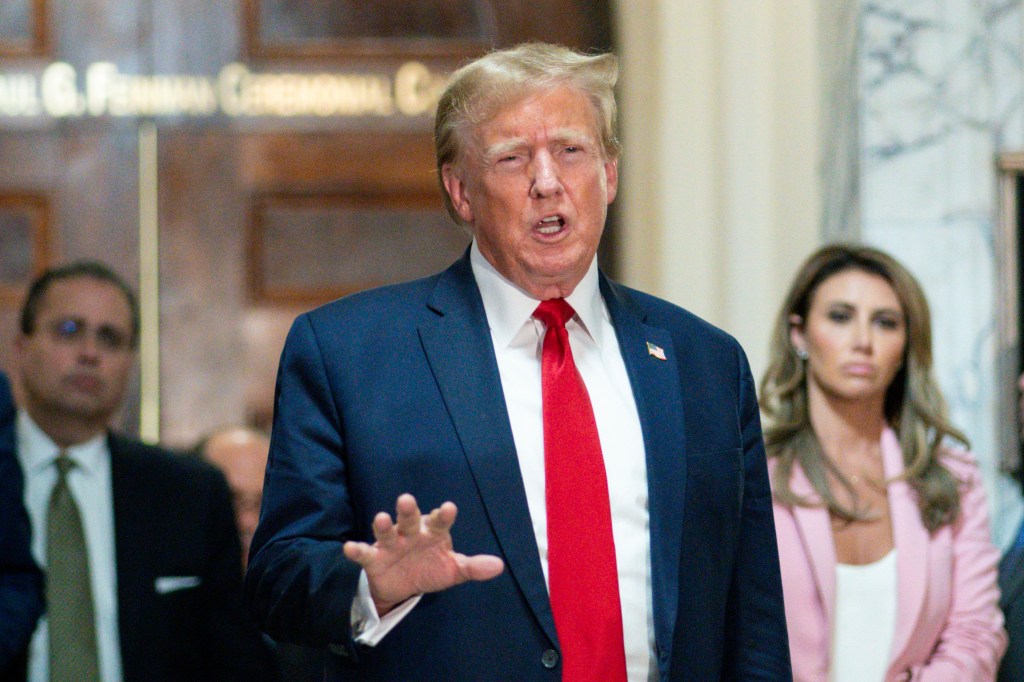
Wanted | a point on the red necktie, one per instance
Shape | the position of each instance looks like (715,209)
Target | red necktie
(582,574)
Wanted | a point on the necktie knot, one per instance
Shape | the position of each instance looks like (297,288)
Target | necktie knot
(554,312)
(64,465)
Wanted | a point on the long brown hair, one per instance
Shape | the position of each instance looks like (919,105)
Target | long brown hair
(914,406)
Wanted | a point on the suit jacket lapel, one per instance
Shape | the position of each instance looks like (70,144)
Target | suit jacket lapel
(911,540)
(129,525)
(659,403)
(909,536)
(815,529)
(461,355)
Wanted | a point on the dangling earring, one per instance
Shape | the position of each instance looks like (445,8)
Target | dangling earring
(801,353)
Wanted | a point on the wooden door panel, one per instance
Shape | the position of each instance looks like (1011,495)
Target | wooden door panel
(260,216)
(83,183)
(257,228)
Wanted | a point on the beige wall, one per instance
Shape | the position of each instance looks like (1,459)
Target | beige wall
(721,178)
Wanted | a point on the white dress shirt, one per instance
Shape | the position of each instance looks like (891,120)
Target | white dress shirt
(90,485)
(518,342)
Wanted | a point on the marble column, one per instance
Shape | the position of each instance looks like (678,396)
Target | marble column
(940,96)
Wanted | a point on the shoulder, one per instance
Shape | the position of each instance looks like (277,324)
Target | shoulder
(381,314)
(136,459)
(379,302)
(7,419)
(680,322)
(6,400)
(961,463)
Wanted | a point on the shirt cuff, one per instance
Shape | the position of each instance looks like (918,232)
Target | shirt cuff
(368,628)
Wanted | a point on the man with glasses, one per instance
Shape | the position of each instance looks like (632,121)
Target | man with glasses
(138,544)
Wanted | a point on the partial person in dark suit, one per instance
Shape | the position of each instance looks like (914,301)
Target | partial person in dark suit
(601,447)
(1011,586)
(241,455)
(138,543)
(21,582)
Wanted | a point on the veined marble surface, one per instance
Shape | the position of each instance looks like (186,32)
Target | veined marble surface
(941,94)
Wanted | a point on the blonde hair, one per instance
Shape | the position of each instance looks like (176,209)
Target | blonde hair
(481,89)
(914,406)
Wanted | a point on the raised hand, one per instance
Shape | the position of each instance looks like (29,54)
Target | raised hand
(414,555)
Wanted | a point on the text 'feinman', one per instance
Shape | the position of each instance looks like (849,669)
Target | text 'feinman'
(236,91)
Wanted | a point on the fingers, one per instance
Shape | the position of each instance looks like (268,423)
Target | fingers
(408,515)
(479,567)
(408,524)
(409,520)
(359,552)
(441,520)
(384,529)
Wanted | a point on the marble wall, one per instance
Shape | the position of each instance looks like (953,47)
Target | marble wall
(940,94)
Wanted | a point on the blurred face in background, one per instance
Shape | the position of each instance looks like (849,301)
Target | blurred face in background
(75,363)
(242,455)
(1020,405)
(855,336)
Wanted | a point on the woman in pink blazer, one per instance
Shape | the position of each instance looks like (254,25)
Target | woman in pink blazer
(888,569)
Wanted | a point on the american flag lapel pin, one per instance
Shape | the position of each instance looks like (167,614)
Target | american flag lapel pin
(656,351)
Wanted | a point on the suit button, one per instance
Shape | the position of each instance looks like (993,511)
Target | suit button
(549,659)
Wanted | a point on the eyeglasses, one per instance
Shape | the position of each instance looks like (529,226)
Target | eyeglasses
(74,330)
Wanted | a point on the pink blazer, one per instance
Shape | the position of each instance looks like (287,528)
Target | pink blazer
(948,624)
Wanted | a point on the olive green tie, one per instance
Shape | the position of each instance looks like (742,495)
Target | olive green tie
(73,653)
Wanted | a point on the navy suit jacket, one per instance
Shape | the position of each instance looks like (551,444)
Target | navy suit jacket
(1011,588)
(21,582)
(397,390)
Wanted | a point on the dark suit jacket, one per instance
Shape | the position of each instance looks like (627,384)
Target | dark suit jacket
(173,518)
(21,582)
(1011,586)
(397,390)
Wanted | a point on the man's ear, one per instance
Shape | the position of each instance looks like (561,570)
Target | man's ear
(457,192)
(611,176)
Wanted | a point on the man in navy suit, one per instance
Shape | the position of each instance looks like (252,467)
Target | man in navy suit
(21,583)
(161,555)
(430,393)
(1011,587)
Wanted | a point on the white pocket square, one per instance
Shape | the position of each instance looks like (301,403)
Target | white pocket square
(173,583)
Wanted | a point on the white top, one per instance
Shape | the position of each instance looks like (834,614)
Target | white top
(90,484)
(518,341)
(865,620)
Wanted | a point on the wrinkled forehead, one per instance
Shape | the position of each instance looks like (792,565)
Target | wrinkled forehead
(562,110)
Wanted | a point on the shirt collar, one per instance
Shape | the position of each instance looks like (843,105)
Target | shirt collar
(508,307)
(37,451)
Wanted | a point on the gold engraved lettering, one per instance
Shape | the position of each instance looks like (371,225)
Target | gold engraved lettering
(18,95)
(234,92)
(243,93)
(417,89)
(61,97)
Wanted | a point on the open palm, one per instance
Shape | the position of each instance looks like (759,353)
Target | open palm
(414,555)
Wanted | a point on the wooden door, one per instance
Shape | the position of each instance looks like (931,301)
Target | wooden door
(293,162)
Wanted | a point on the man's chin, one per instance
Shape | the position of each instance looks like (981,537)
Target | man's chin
(87,409)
